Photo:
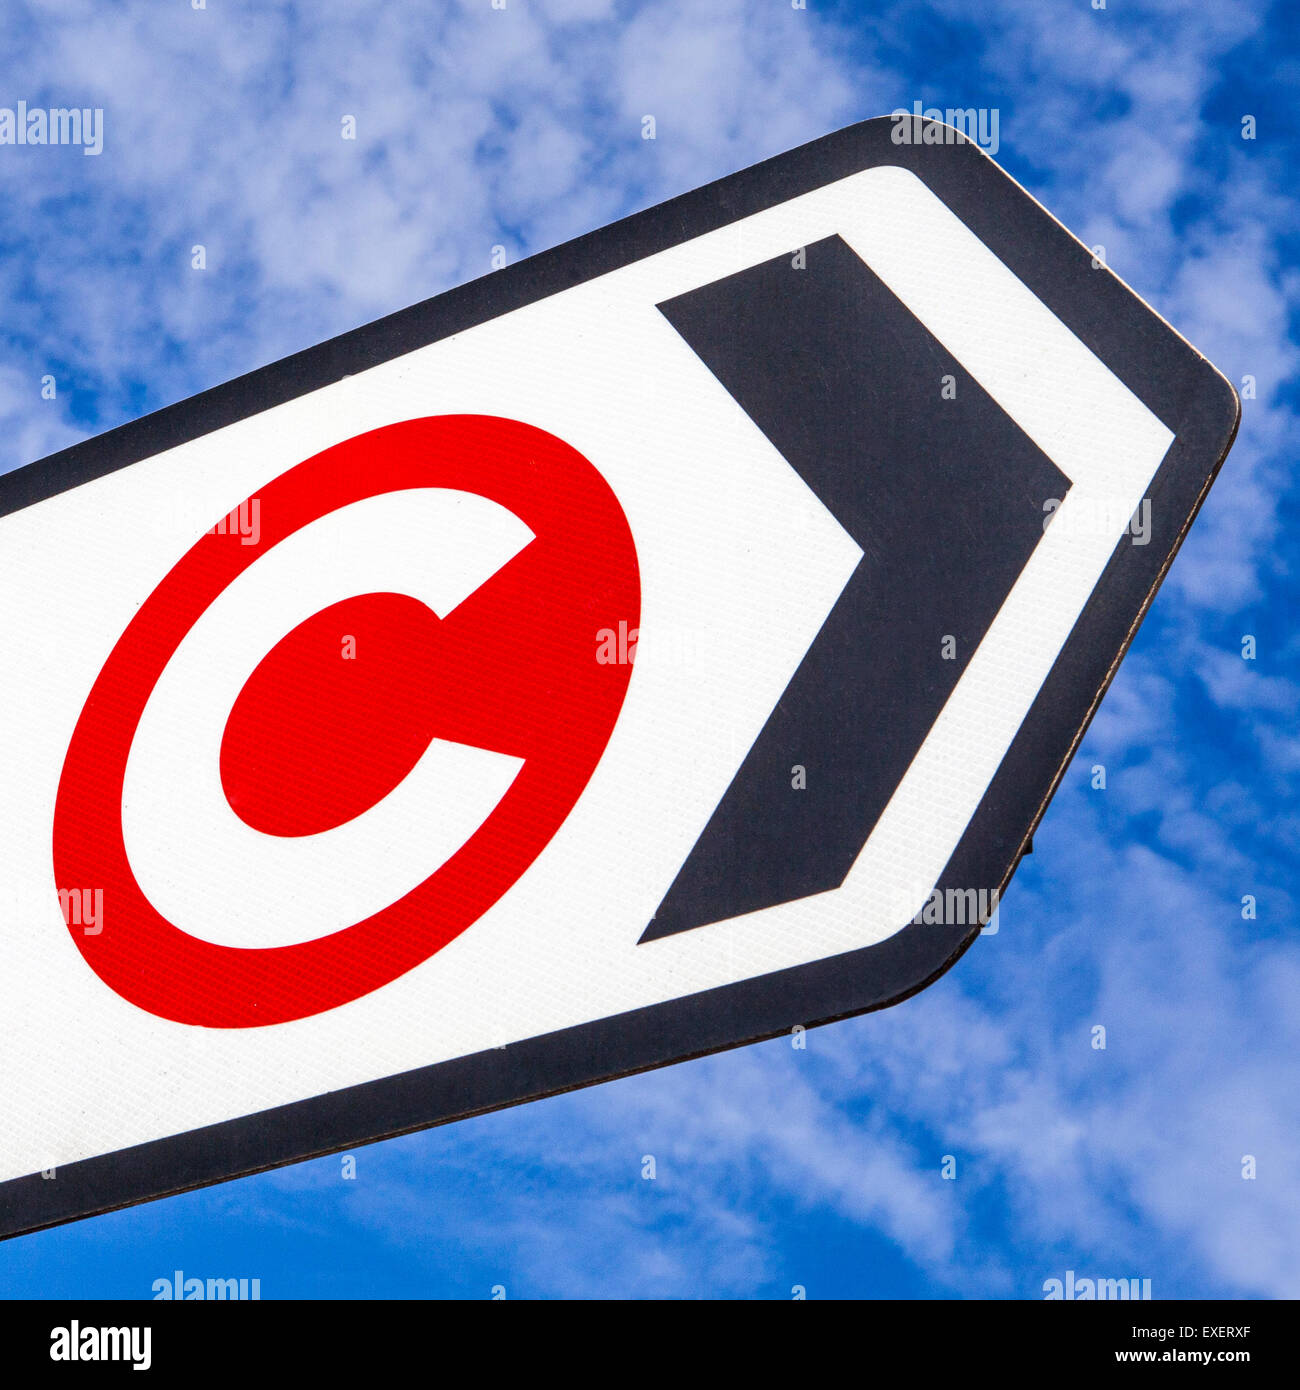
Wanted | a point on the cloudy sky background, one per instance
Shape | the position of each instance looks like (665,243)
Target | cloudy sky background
(775,1167)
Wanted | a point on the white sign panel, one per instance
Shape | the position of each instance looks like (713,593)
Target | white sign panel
(661,643)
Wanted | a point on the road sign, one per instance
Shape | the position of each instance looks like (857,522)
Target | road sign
(657,645)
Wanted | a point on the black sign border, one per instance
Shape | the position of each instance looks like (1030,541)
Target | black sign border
(1177,383)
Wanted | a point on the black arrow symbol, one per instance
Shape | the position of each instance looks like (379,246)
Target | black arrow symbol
(944,494)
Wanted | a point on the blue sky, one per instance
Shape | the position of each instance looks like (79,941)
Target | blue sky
(775,1167)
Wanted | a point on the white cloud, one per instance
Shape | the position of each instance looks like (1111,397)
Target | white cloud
(474,127)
